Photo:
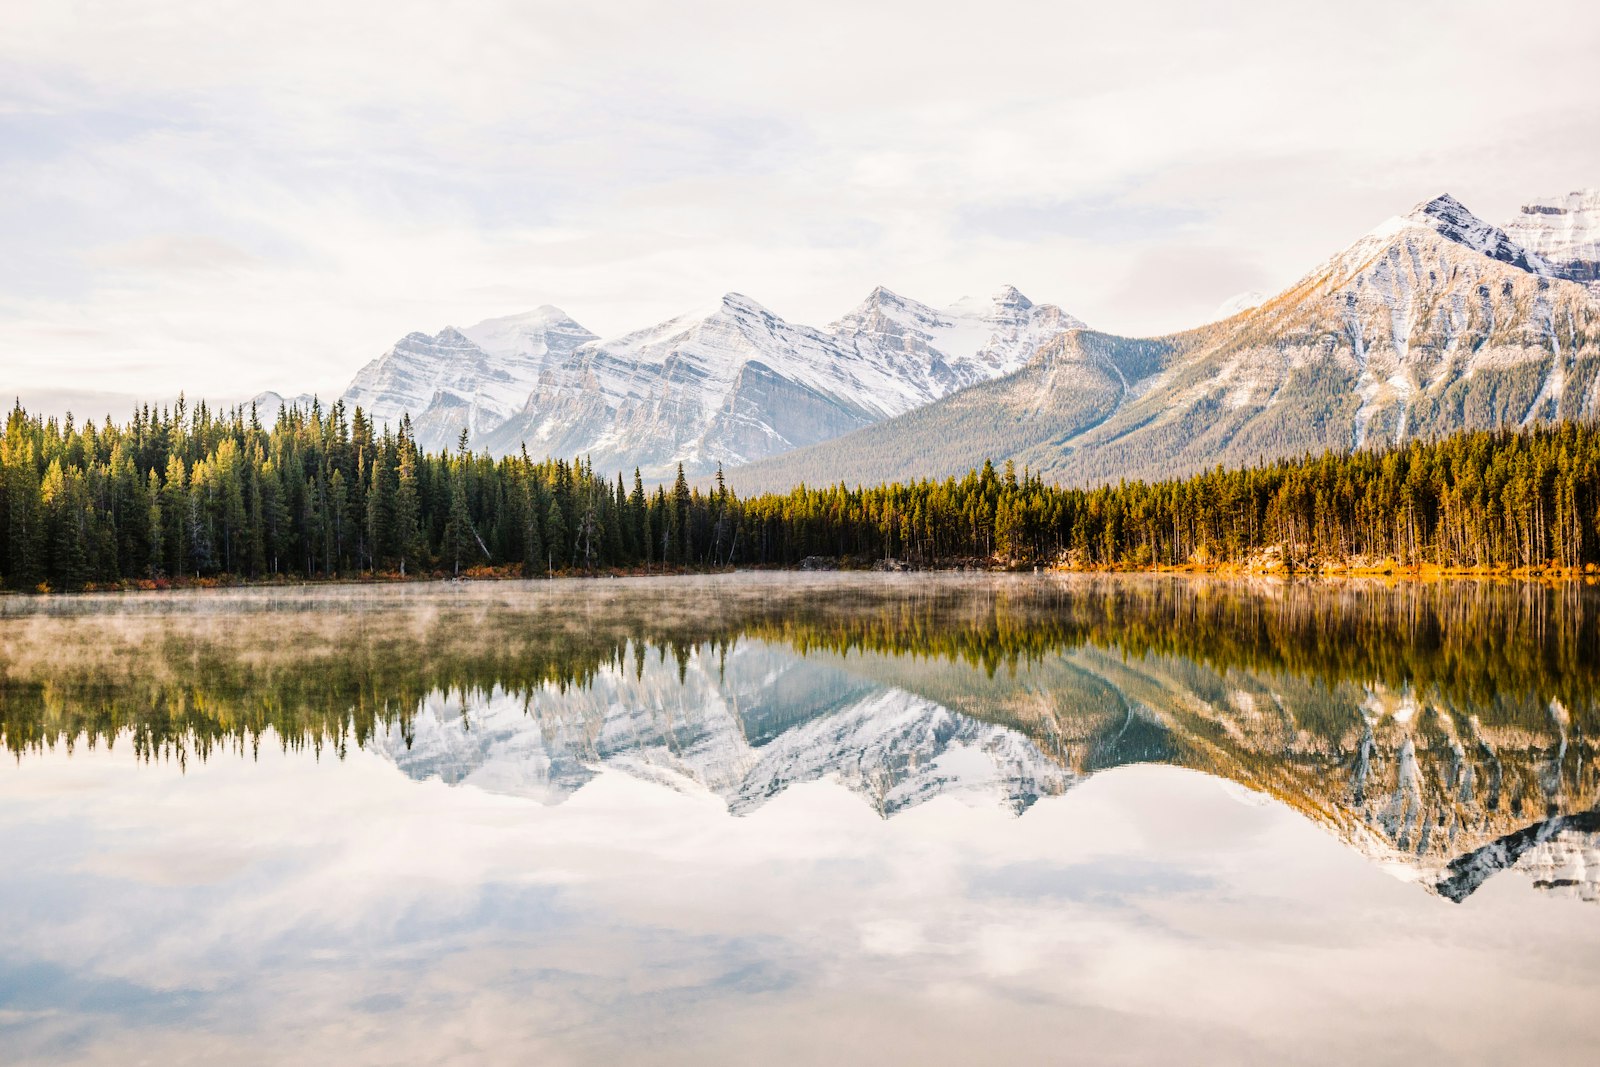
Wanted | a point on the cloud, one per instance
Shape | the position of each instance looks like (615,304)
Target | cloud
(223,197)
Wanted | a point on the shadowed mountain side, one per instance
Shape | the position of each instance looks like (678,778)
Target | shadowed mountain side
(1566,847)
(1071,386)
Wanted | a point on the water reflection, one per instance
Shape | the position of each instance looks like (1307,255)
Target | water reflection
(1444,730)
(743,723)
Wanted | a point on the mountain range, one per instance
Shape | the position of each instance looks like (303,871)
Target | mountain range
(1434,321)
(724,385)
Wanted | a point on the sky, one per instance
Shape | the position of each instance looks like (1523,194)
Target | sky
(222,197)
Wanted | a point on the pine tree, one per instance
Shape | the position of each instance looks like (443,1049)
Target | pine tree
(407,513)
(555,534)
(458,533)
(175,514)
(156,561)
(681,551)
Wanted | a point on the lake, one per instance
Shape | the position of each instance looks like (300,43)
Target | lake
(841,818)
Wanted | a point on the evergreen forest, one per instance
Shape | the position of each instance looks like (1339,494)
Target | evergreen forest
(192,493)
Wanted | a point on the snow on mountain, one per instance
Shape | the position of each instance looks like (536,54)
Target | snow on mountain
(970,341)
(1561,855)
(1408,296)
(743,728)
(736,382)
(541,335)
(1565,231)
(473,379)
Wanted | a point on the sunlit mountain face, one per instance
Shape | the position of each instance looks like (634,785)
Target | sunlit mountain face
(1444,730)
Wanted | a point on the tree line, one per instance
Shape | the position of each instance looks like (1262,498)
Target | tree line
(189,492)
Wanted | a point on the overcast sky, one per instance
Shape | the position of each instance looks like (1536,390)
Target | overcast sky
(222,197)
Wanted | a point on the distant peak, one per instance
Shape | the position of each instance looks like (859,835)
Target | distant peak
(543,315)
(883,295)
(1011,296)
(547,314)
(738,302)
(1442,206)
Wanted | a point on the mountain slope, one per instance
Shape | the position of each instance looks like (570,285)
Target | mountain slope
(1434,321)
(1071,386)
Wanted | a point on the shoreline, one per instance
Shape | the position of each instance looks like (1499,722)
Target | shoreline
(1588,574)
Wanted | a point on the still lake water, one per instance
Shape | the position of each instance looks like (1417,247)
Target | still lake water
(780,819)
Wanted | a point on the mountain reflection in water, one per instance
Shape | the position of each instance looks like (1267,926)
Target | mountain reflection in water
(1444,730)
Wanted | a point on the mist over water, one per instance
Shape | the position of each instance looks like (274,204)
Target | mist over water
(943,818)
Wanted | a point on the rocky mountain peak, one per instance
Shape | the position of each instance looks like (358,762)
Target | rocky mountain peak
(739,304)
(885,301)
(1010,296)
(1451,219)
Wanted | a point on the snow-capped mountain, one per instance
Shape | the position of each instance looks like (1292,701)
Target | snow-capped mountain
(1433,321)
(1561,855)
(743,727)
(471,379)
(1565,232)
(736,382)
(725,385)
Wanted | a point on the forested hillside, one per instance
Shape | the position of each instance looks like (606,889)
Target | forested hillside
(193,493)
